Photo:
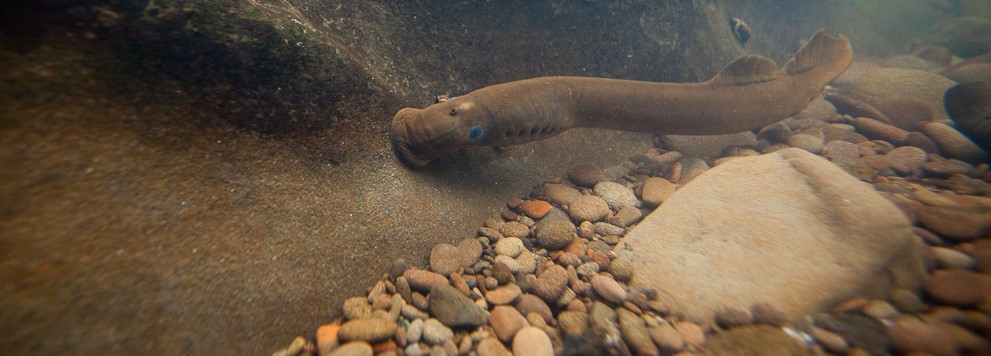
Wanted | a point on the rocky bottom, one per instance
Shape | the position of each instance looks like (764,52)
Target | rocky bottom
(535,283)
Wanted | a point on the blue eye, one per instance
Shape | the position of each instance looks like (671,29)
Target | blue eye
(475,133)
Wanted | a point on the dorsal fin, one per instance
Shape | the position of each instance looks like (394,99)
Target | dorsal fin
(747,70)
(822,48)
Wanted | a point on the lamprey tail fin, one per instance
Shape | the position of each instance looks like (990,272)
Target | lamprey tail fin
(822,50)
(747,70)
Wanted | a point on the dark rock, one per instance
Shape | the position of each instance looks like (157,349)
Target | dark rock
(969,105)
(454,309)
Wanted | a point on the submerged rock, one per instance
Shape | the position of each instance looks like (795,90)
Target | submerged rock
(788,228)
(882,86)
(969,105)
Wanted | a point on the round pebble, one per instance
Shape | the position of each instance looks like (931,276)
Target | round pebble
(572,323)
(841,150)
(906,160)
(584,174)
(356,308)
(880,309)
(954,144)
(656,190)
(587,270)
(732,317)
(530,303)
(606,229)
(551,283)
(509,262)
(514,229)
(536,208)
(765,313)
(950,258)
(666,338)
(831,341)
(532,341)
(958,287)
(907,301)
(607,288)
(509,246)
(555,231)
(806,142)
(569,259)
(616,195)
(501,273)
(635,333)
(367,329)
(492,347)
(559,194)
(589,208)
(506,321)
(353,348)
(506,294)
(692,334)
(909,334)
(415,331)
(621,268)
(422,281)
(435,332)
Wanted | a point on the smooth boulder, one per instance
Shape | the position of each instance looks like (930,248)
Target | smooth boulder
(787,228)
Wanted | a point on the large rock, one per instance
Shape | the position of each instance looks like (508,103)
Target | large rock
(884,87)
(787,228)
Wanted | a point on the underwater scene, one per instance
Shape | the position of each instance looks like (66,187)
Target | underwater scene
(477,177)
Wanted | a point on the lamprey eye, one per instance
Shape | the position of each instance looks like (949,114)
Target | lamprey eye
(454,111)
(475,133)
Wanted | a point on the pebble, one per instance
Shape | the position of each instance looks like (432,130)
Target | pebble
(423,281)
(515,229)
(953,144)
(584,174)
(879,130)
(507,294)
(506,321)
(691,167)
(446,259)
(755,340)
(454,309)
(617,196)
(945,168)
(509,246)
(587,270)
(356,308)
(907,301)
(436,333)
(635,333)
(607,288)
(666,338)
(732,317)
(555,230)
(656,190)
(527,262)
(626,216)
(880,309)
(831,341)
(492,347)
(765,313)
(950,258)
(558,194)
(501,273)
(530,303)
(806,142)
(621,268)
(414,331)
(367,329)
(589,208)
(606,229)
(958,287)
(511,263)
(906,160)
(572,323)
(354,348)
(909,334)
(569,259)
(327,337)
(615,173)
(551,283)
(536,208)
(532,341)
(691,333)
(841,150)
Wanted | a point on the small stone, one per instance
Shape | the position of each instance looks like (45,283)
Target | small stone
(587,270)
(559,194)
(907,301)
(754,340)
(510,263)
(514,229)
(436,333)
(909,334)
(691,167)
(945,168)
(621,269)
(584,174)
(666,338)
(958,287)
(589,208)
(607,288)
(415,331)
(507,294)
(492,347)
(953,144)
(829,340)
(691,333)
(527,262)
(368,329)
(906,160)
(398,267)
(626,216)
(530,303)
(569,259)
(806,142)
(356,308)
(454,309)
(502,273)
(446,259)
(880,309)
(506,321)
(635,333)
(956,223)
(572,324)
(509,246)
(607,229)
(532,341)
(551,283)
(423,281)
(354,348)
(950,258)
(327,337)
(732,317)
(616,195)
(555,230)
(767,314)
(656,190)
(536,208)
(841,150)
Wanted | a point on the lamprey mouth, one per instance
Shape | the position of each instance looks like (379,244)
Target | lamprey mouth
(404,139)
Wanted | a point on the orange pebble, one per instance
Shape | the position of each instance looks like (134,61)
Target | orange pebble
(327,336)
(536,208)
